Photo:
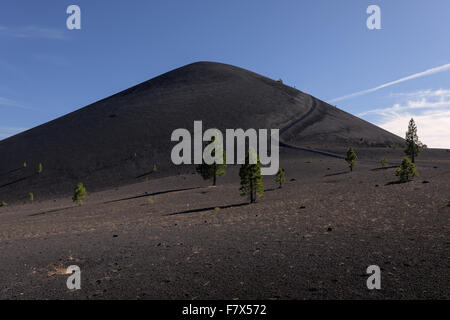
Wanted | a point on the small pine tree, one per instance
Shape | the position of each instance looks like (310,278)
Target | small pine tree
(79,194)
(251,180)
(413,147)
(351,157)
(3,204)
(31,195)
(280,177)
(155,168)
(25,164)
(406,171)
(384,162)
(212,171)
(40,168)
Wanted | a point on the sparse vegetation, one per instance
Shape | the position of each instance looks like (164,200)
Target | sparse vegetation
(40,168)
(212,171)
(384,162)
(351,158)
(251,179)
(31,196)
(280,81)
(280,177)
(413,147)
(406,171)
(79,194)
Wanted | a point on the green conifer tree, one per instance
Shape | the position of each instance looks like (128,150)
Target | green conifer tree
(351,157)
(406,171)
(212,171)
(413,147)
(280,177)
(251,179)
(79,194)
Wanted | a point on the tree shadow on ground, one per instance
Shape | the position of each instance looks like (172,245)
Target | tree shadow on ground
(209,208)
(396,182)
(336,174)
(10,171)
(49,211)
(144,174)
(15,181)
(150,194)
(384,168)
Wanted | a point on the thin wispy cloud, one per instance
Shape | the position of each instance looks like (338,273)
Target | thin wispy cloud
(428,72)
(31,32)
(426,99)
(5,102)
(6,132)
(429,108)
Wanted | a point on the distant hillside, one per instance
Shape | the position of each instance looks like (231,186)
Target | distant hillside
(118,140)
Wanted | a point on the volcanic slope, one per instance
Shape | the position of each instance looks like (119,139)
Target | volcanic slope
(121,139)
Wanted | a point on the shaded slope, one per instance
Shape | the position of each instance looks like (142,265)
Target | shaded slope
(118,140)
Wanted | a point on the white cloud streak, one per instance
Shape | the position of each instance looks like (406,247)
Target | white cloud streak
(6,132)
(32,32)
(430,110)
(431,71)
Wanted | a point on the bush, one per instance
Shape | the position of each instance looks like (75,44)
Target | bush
(384,162)
(406,171)
(40,168)
(351,157)
(3,204)
(280,178)
(79,194)
(31,195)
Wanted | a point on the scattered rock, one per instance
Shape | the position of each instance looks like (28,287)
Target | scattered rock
(376,186)
(293,179)
(425,181)
(329,229)
(435,167)
(115,235)
(302,207)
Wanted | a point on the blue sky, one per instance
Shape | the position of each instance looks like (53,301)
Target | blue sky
(321,47)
